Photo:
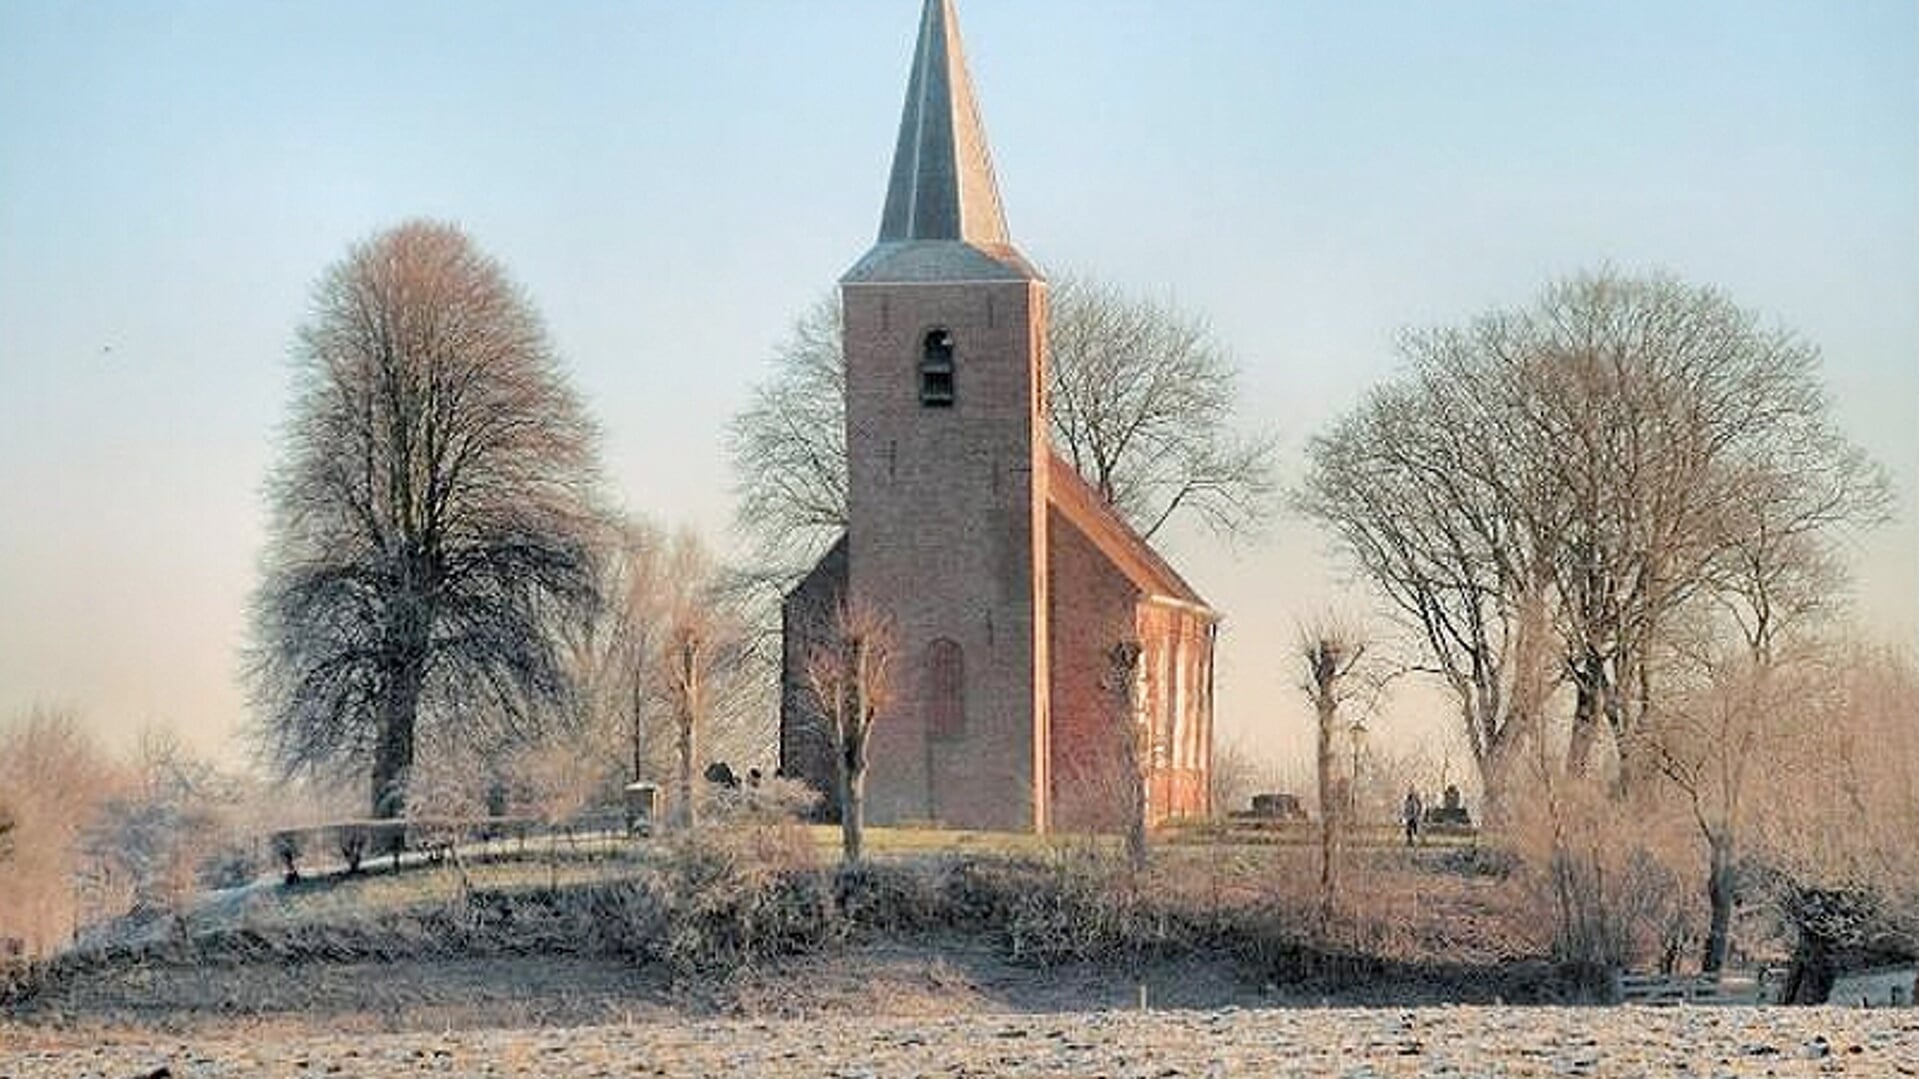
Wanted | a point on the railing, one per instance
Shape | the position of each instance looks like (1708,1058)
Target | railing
(1725,988)
(354,843)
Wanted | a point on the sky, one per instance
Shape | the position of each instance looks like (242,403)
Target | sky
(673,182)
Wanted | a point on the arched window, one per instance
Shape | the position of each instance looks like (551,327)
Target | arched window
(936,370)
(945,689)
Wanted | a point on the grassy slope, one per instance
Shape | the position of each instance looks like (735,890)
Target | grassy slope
(1023,923)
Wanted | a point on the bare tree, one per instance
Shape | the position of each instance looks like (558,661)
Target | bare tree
(850,676)
(1421,494)
(1131,749)
(789,446)
(1836,832)
(704,642)
(1141,402)
(57,780)
(1714,745)
(1332,652)
(150,836)
(433,516)
(670,680)
(1235,777)
(1576,477)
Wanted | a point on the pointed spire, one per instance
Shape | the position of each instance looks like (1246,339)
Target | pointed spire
(942,186)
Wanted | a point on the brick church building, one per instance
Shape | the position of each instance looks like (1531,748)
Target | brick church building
(1007,580)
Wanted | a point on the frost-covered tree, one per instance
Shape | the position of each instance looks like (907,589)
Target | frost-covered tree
(433,517)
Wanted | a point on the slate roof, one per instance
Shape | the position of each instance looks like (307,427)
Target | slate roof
(943,220)
(1128,550)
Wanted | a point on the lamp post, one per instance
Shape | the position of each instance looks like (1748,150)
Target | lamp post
(1358,733)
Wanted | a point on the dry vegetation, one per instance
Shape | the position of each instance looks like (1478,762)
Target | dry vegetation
(721,911)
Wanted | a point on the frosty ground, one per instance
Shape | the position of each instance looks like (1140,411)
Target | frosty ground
(1441,1041)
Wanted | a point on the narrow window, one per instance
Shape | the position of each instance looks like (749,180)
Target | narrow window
(936,370)
(945,690)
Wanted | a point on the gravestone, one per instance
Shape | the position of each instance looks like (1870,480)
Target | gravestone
(1450,813)
(1277,807)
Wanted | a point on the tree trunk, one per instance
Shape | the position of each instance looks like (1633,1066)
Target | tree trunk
(393,756)
(1136,816)
(1719,890)
(639,744)
(1133,747)
(1585,732)
(688,813)
(1330,810)
(1589,678)
(852,815)
(692,704)
(1809,979)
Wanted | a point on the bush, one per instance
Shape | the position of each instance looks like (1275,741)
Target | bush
(888,896)
(232,865)
(286,851)
(352,841)
(725,908)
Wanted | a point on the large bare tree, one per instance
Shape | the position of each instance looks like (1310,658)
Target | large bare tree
(1141,400)
(1573,480)
(1416,487)
(433,516)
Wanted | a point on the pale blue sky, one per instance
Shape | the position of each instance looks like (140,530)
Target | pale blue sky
(672,181)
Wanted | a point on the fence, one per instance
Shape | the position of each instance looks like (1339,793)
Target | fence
(1724,988)
(351,844)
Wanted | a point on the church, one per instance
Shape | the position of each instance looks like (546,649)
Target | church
(1010,586)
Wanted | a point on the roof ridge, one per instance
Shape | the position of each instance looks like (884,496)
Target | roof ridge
(1068,490)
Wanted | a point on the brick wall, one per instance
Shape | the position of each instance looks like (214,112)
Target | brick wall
(946,539)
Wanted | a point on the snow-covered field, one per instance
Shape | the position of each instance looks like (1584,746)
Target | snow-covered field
(1446,1041)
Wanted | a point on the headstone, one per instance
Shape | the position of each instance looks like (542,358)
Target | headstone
(642,806)
(1450,812)
(1278,807)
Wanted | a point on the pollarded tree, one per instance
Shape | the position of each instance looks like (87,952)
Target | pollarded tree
(1141,401)
(433,517)
(1130,753)
(1332,651)
(850,674)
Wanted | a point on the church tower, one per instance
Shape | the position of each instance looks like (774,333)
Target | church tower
(1011,585)
(945,326)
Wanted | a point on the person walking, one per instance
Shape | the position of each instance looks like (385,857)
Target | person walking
(1413,810)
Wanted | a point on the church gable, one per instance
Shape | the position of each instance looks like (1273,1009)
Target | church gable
(1129,554)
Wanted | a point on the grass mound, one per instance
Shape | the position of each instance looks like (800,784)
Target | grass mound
(708,906)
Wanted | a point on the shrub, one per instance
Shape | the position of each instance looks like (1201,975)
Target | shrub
(286,851)
(884,896)
(231,865)
(725,908)
(352,841)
